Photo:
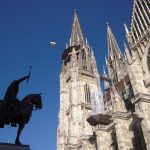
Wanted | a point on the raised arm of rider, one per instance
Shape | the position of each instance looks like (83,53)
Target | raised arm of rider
(22,79)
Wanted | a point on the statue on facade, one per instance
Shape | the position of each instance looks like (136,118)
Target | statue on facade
(15,112)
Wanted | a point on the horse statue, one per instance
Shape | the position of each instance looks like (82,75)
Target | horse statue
(21,112)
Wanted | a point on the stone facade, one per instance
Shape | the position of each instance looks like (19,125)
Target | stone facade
(118,119)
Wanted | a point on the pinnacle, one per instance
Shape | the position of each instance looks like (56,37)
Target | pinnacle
(76,34)
(75,10)
(113,48)
(107,24)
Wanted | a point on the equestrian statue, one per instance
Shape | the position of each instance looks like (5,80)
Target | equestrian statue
(15,112)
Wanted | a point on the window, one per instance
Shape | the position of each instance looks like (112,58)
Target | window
(87,93)
(84,61)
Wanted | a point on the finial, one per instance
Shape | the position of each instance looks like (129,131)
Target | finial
(124,43)
(127,52)
(70,41)
(86,41)
(74,10)
(106,60)
(66,45)
(126,29)
(107,24)
(104,70)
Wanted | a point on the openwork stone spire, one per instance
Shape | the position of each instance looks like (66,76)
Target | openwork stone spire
(116,61)
(76,34)
(113,48)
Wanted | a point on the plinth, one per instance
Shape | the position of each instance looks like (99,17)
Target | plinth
(7,146)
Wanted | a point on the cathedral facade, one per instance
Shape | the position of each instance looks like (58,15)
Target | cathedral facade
(118,118)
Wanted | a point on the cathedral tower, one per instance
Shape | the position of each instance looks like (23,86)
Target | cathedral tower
(80,92)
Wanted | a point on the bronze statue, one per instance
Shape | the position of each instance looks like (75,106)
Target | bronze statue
(13,111)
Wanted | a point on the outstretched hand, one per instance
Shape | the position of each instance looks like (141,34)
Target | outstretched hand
(28,77)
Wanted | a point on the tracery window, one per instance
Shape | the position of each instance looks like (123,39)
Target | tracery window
(84,61)
(87,93)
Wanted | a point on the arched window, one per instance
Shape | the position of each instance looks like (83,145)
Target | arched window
(84,61)
(138,140)
(87,93)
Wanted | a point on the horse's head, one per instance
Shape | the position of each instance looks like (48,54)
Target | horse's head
(33,99)
(37,101)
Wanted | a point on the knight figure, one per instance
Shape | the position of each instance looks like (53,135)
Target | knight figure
(10,98)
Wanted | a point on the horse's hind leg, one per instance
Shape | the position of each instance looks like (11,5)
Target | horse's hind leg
(20,128)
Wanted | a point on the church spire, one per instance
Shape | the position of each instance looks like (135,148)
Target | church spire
(76,34)
(113,48)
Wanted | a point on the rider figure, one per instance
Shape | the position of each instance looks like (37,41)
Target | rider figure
(10,97)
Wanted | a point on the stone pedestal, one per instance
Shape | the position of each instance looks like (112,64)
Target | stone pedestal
(7,146)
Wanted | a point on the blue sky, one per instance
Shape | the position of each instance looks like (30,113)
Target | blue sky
(26,27)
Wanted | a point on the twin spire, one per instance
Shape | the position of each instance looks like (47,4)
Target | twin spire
(113,48)
(76,34)
(77,38)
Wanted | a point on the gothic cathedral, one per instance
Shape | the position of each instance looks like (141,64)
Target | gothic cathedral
(118,118)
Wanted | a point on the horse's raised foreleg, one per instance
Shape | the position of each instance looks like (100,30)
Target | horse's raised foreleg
(20,128)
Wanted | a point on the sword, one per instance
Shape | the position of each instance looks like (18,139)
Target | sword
(29,73)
